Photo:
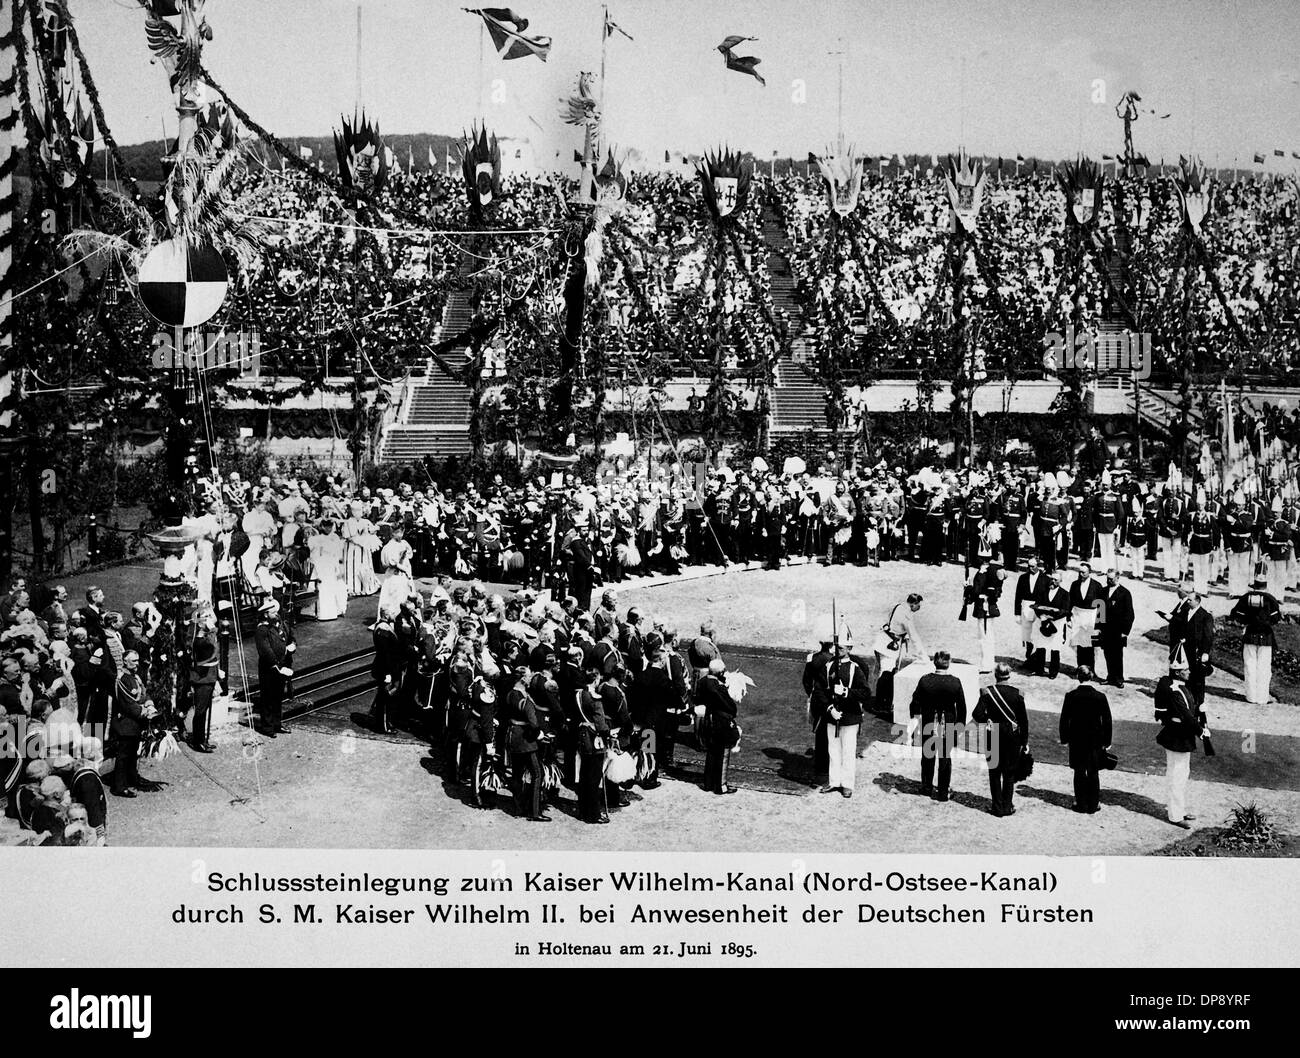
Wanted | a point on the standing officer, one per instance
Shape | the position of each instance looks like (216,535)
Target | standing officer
(523,740)
(1181,721)
(1173,511)
(1003,708)
(720,733)
(815,687)
(275,650)
(1086,729)
(846,696)
(131,708)
(1108,513)
(939,702)
(204,665)
(1238,525)
(387,670)
(1137,533)
(1011,513)
(1258,612)
(1198,641)
(593,737)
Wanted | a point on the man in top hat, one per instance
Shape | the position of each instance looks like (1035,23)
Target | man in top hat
(1086,728)
(275,650)
(939,702)
(1257,612)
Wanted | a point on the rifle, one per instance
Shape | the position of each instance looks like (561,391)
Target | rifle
(833,677)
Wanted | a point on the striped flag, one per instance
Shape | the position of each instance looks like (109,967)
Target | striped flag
(507,31)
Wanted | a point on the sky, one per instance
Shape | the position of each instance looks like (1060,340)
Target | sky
(1035,77)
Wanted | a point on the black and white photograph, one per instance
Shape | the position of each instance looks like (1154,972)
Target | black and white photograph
(834,429)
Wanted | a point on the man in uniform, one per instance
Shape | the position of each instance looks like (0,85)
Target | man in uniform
(938,702)
(847,695)
(1173,511)
(1138,535)
(130,710)
(1108,512)
(1199,643)
(274,657)
(1202,539)
(1003,709)
(1257,612)
(815,669)
(1011,513)
(1238,527)
(1278,547)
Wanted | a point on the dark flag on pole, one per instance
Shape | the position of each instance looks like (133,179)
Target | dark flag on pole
(507,31)
(741,63)
(1279,154)
(1259,159)
(612,27)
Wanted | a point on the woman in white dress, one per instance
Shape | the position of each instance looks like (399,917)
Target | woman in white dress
(360,542)
(327,560)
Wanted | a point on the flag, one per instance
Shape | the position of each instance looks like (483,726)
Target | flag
(410,157)
(1279,154)
(1020,157)
(1259,159)
(741,63)
(1295,154)
(611,27)
(305,153)
(433,158)
(812,158)
(666,158)
(507,32)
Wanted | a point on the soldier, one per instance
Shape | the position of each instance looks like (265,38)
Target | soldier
(847,695)
(1202,538)
(1011,512)
(1173,511)
(1238,530)
(203,674)
(131,709)
(1257,612)
(275,651)
(1003,708)
(974,515)
(1108,513)
(938,703)
(525,734)
(1278,546)
(593,736)
(1138,535)
(915,518)
(720,733)
(478,735)
(1047,528)
(815,687)
(1151,507)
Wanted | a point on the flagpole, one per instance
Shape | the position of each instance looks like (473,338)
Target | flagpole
(358,71)
(604,45)
(482,26)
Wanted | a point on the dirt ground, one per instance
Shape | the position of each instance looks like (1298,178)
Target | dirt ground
(323,788)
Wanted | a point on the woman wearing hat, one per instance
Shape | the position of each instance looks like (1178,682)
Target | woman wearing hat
(360,543)
(327,560)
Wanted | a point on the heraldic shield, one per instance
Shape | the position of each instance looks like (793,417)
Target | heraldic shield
(725,194)
(964,182)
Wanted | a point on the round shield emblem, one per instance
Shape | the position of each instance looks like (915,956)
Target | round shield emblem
(183,285)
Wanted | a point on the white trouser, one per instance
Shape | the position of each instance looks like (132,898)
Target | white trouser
(1257,670)
(988,645)
(1239,570)
(1275,577)
(1201,574)
(1138,560)
(1106,544)
(1292,568)
(1178,766)
(1171,547)
(1026,624)
(842,751)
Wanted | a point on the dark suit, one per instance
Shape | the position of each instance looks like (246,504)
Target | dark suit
(1086,729)
(1115,624)
(203,683)
(814,685)
(1199,641)
(1003,707)
(939,701)
(387,671)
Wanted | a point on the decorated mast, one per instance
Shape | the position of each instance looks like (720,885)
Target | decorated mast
(10,26)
